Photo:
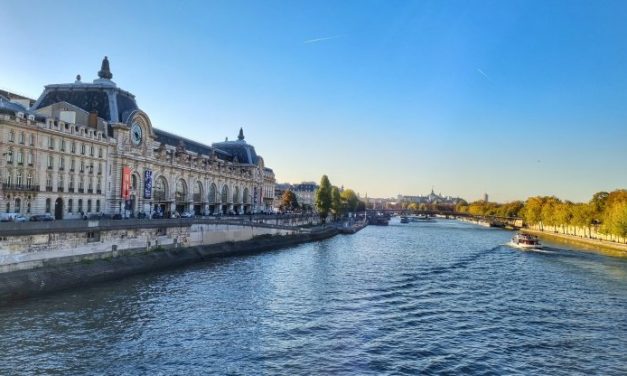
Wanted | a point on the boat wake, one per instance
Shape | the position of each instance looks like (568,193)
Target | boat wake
(538,250)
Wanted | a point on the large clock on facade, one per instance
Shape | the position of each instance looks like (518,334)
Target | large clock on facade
(136,134)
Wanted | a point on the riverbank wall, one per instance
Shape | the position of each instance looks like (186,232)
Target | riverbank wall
(595,245)
(52,274)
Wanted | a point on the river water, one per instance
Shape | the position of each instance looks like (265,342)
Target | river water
(420,298)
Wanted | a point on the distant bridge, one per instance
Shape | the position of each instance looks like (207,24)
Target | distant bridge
(485,220)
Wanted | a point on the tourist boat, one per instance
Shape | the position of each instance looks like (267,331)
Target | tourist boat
(423,218)
(404,220)
(526,241)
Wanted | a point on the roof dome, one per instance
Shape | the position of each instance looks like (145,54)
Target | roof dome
(102,96)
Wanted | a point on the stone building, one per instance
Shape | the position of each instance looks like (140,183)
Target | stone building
(87,148)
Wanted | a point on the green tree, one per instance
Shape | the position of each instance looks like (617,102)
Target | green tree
(532,213)
(336,203)
(350,200)
(323,198)
(616,220)
(289,200)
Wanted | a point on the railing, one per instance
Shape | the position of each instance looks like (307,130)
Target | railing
(15,187)
(103,224)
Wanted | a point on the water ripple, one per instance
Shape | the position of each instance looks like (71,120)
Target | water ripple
(437,298)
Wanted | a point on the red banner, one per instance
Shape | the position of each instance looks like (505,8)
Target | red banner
(126,182)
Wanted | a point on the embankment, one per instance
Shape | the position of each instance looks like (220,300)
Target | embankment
(594,245)
(74,271)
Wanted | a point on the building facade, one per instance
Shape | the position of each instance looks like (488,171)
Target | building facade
(88,149)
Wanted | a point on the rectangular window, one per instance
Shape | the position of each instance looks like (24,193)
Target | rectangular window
(73,147)
(62,145)
(22,138)
(50,143)
(99,152)
(32,140)
(10,156)
(69,205)
(82,166)
(50,162)
(91,150)
(83,149)
(11,136)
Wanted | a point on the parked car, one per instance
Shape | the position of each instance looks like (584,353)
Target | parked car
(20,218)
(187,215)
(8,217)
(42,217)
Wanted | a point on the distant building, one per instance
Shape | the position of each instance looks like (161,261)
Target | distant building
(305,192)
(485,197)
(431,198)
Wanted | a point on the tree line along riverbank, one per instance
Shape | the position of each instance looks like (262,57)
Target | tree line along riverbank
(603,217)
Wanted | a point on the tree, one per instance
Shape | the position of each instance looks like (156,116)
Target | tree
(289,200)
(532,213)
(616,220)
(350,199)
(336,203)
(323,198)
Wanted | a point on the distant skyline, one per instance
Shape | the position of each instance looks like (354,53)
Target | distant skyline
(512,98)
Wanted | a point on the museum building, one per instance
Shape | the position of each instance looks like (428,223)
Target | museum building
(85,149)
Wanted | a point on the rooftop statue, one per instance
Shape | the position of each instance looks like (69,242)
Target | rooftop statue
(105,72)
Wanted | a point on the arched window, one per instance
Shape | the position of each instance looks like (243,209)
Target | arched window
(225,194)
(160,189)
(246,196)
(181,191)
(236,195)
(213,198)
(134,182)
(197,192)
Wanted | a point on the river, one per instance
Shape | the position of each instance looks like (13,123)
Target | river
(421,298)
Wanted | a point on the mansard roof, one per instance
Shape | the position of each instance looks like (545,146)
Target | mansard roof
(244,152)
(193,146)
(101,96)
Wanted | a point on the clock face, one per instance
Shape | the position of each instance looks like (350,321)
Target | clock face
(136,134)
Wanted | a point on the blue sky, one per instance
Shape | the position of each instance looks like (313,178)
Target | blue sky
(513,98)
